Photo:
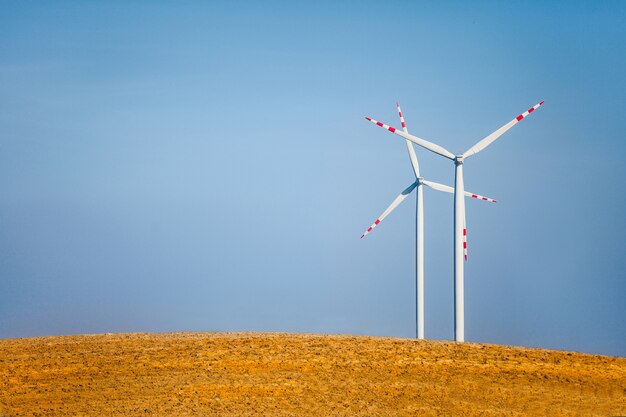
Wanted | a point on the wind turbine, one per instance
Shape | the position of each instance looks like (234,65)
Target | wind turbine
(419,225)
(459,205)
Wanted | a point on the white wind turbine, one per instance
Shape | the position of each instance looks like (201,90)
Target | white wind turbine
(419,225)
(459,205)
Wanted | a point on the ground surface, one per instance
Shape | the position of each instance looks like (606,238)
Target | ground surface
(204,374)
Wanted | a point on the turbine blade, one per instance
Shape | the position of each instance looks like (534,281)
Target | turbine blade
(483,143)
(464,237)
(480,197)
(418,141)
(401,118)
(399,199)
(409,145)
(438,187)
(448,189)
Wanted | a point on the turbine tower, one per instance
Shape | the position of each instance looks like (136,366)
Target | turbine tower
(459,205)
(419,225)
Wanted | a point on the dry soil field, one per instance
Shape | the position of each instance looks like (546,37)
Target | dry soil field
(204,374)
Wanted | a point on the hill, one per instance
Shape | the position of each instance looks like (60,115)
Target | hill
(194,374)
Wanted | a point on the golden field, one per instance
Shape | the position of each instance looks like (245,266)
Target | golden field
(206,374)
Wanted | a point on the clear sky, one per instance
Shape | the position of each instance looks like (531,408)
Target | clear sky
(205,166)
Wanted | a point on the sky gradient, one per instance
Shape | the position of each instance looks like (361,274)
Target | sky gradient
(207,167)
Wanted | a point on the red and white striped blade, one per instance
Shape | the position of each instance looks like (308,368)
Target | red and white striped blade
(480,197)
(401,118)
(483,143)
(464,238)
(409,145)
(419,141)
(384,126)
(399,199)
(448,189)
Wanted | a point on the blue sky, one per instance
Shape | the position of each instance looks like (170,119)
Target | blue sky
(207,167)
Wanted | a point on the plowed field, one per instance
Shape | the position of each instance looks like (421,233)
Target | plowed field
(206,374)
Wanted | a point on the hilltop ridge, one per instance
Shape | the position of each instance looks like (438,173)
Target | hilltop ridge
(278,374)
